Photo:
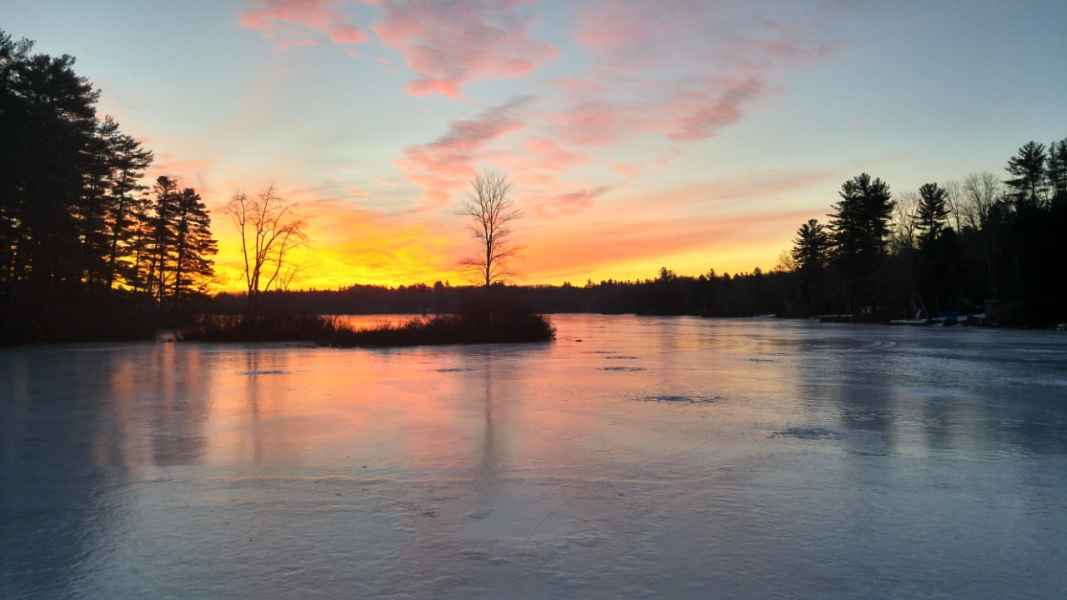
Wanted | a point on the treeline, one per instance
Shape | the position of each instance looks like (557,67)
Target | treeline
(723,295)
(87,249)
(984,245)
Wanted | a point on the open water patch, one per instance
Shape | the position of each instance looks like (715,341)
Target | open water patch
(622,369)
(808,433)
(681,399)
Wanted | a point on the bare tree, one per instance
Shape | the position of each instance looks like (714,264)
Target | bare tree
(269,230)
(904,219)
(286,279)
(954,199)
(491,211)
(786,262)
(981,191)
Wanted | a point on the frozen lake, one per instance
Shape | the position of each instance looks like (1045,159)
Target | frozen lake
(654,458)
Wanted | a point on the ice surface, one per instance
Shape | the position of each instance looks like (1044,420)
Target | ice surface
(832,461)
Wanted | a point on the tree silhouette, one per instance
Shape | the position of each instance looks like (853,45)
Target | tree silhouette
(491,210)
(1057,169)
(811,255)
(1028,170)
(860,228)
(811,247)
(194,245)
(981,191)
(270,230)
(126,206)
(955,203)
(931,213)
(162,231)
(905,207)
(49,122)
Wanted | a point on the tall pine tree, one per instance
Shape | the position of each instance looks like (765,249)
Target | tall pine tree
(1057,170)
(931,213)
(860,227)
(194,246)
(127,211)
(1027,167)
(811,253)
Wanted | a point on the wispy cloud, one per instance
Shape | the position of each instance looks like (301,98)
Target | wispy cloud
(449,44)
(289,22)
(681,71)
(450,161)
(569,203)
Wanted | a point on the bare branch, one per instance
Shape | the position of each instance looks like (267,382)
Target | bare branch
(491,210)
(269,231)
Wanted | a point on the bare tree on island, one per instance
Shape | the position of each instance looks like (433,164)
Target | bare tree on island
(491,210)
(270,229)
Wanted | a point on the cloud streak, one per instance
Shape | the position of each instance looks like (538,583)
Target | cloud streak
(570,203)
(681,71)
(450,44)
(289,22)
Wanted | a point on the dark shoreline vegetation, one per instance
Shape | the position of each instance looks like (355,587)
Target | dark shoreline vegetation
(465,328)
(90,250)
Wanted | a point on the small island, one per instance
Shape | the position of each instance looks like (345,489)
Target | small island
(500,326)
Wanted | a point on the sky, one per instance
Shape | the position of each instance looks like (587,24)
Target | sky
(692,134)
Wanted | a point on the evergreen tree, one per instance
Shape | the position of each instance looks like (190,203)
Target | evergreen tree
(860,227)
(811,247)
(127,210)
(14,123)
(1057,169)
(811,250)
(49,124)
(931,214)
(1027,167)
(92,211)
(161,235)
(194,245)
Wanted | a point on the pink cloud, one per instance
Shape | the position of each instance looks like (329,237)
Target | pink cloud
(570,203)
(449,44)
(540,161)
(698,114)
(280,19)
(535,165)
(450,162)
(682,70)
(689,112)
(627,170)
(347,34)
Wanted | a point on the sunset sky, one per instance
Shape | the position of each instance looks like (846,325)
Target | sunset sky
(691,134)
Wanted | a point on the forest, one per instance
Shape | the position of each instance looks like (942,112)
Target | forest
(88,248)
(91,247)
